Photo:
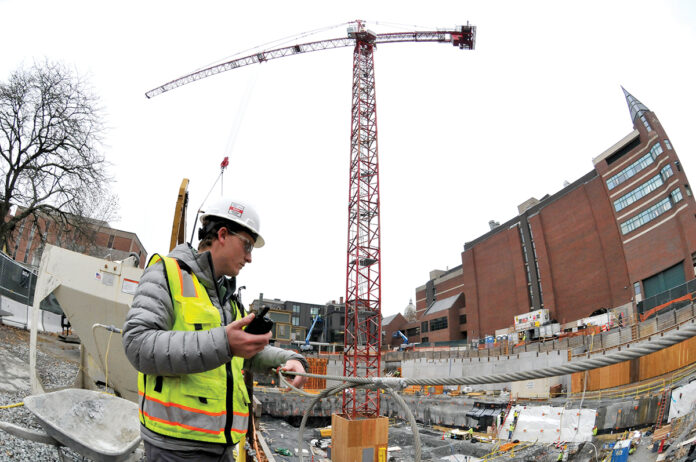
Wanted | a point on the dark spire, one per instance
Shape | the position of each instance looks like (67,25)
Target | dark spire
(636,108)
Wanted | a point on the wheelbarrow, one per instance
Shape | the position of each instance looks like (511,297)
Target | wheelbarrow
(98,426)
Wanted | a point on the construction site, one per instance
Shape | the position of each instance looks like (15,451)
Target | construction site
(555,339)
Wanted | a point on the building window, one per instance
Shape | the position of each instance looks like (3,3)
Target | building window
(668,144)
(462,319)
(424,326)
(636,288)
(645,122)
(295,321)
(666,172)
(635,167)
(438,324)
(687,189)
(536,266)
(526,267)
(425,340)
(110,245)
(646,215)
(295,308)
(641,191)
(676,196)
(18,240)
(314,311)
(30,241)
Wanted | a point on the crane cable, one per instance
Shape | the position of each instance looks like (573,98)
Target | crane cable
(272,44)
(223,166)
(393,384)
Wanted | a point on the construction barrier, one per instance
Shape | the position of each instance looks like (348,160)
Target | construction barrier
(316,366)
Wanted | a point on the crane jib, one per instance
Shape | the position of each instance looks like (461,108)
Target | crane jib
(463,37)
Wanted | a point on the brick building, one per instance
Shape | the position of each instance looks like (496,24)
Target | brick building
(106,242)
(623,232)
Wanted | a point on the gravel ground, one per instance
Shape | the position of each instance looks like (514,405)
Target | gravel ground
(57,366)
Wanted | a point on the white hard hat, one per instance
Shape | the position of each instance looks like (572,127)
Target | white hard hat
(237,212)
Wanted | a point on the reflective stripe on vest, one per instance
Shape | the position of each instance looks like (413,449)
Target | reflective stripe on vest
(194,406)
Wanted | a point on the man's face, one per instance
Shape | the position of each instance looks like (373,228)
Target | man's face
(232,252)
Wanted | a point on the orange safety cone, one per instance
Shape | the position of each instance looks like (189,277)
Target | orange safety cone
(443,435)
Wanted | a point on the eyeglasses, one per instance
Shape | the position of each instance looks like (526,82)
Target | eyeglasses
(248,244)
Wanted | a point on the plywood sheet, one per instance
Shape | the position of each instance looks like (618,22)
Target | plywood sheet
(655,364)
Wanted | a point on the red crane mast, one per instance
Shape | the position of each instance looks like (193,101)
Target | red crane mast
(363,318)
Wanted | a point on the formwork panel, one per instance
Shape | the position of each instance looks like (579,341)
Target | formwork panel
(655,364)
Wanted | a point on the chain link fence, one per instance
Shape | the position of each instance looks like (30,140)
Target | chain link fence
(17,287)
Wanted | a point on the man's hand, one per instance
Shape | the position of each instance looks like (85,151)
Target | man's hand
(295,366)
(242,344)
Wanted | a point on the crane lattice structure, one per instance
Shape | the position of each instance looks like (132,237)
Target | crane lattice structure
(363,318)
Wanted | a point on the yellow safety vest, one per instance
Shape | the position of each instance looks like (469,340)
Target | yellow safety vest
(197,406)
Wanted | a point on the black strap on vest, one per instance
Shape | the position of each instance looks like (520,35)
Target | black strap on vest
(159,381)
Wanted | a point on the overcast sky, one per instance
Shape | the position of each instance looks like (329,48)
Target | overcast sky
(464,136)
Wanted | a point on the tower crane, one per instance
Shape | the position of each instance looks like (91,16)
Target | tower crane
(363,319)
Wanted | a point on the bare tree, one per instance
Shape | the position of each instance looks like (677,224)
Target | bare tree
(50,132)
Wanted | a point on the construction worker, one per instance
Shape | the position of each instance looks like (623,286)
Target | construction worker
(470,433)
(185,334)
(511,429)
(515,416)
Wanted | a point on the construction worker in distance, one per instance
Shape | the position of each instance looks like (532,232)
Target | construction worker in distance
(511,429)
(185,334)
(515,416)
(470,433)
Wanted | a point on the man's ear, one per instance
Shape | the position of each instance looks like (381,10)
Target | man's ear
(222,234)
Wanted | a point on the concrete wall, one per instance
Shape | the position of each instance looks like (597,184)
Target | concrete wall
(472,367)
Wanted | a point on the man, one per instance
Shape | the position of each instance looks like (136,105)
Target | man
(185,334)
(511,429)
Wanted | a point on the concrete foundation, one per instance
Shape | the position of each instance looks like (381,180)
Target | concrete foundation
(451,411)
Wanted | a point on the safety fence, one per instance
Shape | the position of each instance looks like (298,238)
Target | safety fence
(16,280)
(18,283)
(613,338)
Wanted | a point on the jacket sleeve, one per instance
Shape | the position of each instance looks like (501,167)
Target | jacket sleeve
(153,348)
(271,357)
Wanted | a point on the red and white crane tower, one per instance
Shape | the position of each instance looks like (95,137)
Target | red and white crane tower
(363,318)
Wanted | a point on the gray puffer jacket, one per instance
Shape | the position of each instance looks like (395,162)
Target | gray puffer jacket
(154,349)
